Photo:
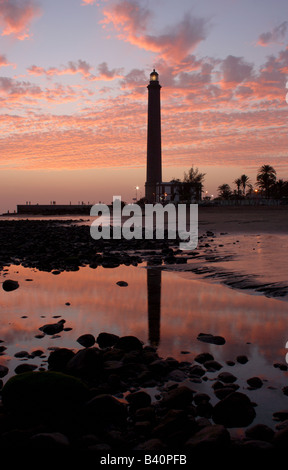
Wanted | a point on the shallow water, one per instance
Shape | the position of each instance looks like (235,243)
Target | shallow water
(164,309)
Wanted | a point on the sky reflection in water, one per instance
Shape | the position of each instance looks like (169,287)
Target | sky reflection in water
(179,307)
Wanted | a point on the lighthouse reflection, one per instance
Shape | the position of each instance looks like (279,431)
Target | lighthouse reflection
(154,304)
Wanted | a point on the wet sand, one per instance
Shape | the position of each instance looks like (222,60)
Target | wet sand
(248,219)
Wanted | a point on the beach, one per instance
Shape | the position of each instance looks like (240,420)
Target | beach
(194,356)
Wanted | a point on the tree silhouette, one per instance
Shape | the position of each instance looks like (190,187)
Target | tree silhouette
(244,182)
(192,182)
(266,178)
(224,191)
(238,184)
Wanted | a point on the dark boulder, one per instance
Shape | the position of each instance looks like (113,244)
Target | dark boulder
(86,340)
(59,358)
(208,338)
(255,382)
(9,285)
(53,328)
(260,432)
(210,437)
(178,398)
(51,392)
(227,377)
(106,340)
(129,343)
(3,371)
(235,410)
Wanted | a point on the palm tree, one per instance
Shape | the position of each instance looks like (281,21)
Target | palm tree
(244,181)
(238,184)
(266,178)
(224,191)
(193,180)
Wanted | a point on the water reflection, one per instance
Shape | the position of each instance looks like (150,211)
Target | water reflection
(154,305)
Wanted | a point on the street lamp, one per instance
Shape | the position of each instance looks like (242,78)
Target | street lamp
(137,187)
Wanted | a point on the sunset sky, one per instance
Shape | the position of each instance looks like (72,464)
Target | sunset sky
(73,78)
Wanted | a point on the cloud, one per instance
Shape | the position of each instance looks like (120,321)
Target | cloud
(235,70)
(81,66)
(16,16)
(275,36)
(4,62)
(105,74)
(131,20)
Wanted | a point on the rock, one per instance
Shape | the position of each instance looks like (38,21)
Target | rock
(86,340)
(53,440)
(208,338)
(257,445)
(178,398)
(174,428)
(280,439)
(3,370)
(260,432)
(255,382)
(24,368)
(242,359)
(224,392)
(281,415)
(282,425)
(37,353)
(152,445)
(122,283)
(86,363)
(280,365)
(212,365)
(129,343)
(196,371)
(105,409)
(21,354)
(203,357)
(59,358)
(49,392)
(106,340)
(210,437)
(53,328)
(201,398)
(138,400)
(227,377)
(235,410)
(9,285)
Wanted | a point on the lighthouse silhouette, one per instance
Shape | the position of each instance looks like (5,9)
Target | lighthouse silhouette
(154,153)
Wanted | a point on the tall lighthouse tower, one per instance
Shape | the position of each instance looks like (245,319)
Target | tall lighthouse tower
(154,163)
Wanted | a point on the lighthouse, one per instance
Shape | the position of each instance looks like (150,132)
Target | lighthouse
(154,157)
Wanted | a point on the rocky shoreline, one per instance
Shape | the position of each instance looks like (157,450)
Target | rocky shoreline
(99,399)
(65,245)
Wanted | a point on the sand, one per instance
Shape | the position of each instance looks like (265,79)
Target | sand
(248,219)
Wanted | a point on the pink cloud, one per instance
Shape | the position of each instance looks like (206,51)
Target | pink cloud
(4,62)
(131,20)
(235,71)
(16,16)
(275,36)
(81,66)
(105,74)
